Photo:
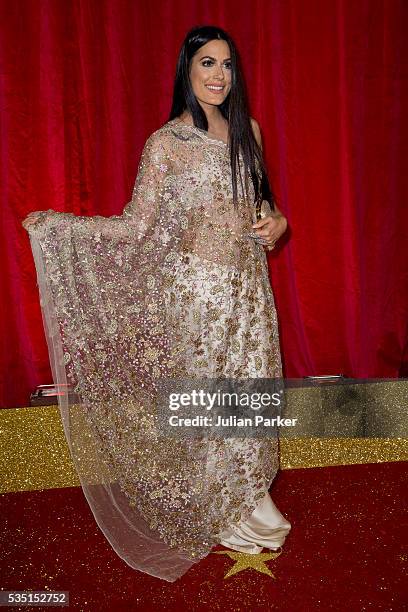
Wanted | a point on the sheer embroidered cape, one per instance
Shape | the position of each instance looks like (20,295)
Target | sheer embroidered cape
(172,287)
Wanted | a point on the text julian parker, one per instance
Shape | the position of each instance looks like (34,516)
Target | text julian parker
(231,421)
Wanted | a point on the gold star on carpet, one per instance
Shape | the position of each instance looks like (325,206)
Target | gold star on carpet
(245,561)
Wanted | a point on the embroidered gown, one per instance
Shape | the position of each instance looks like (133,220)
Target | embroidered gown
(172,287)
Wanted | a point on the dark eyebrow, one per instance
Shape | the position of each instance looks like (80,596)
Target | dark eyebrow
(213,58)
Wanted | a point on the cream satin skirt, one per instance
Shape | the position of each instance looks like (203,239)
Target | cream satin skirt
(265,528)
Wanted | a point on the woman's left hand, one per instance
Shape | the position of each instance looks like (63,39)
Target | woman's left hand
(31,219)
(270,229)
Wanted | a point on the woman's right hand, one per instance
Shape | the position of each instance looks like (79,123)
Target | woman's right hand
(32,218)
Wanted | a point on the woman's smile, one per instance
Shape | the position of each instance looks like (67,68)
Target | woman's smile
(215,88)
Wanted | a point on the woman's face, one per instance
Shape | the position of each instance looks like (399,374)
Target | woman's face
(211,66)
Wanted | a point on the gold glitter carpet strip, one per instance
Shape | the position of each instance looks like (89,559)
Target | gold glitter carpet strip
(34,454)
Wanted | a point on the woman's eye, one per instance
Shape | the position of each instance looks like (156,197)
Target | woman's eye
(208,63)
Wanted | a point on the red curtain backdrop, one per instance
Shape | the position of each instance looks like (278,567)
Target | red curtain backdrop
(84,82)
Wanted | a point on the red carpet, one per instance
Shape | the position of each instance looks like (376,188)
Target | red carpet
(347,550)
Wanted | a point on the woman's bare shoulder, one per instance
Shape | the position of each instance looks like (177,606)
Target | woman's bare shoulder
(257,131)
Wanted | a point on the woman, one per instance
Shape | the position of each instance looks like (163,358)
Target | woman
(177,286)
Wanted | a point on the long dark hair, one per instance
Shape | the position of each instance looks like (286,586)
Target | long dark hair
(234,109)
